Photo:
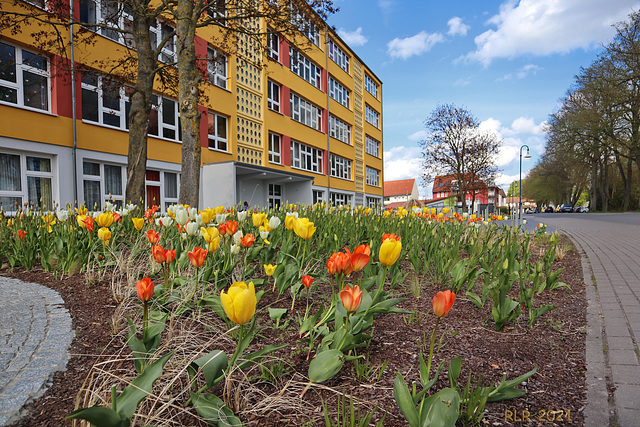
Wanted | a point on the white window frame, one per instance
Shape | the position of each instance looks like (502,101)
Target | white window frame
(273,96)
(273,45)
(339,93)
(104,195)
(373,177)
(274,195)
(103,110)
(372,146)
(371,116)
(164,200)
(318,196)
(120,19)
(25,174)
(217,67)
(305,112)
(214,9)
(373,202)
(371,86)
(168,54)
(18,85)
(304,68)
(339,129)
(304,24)
(217,141)
(275,148)
(305,157)
(340,167)
(338,56)
(340,199)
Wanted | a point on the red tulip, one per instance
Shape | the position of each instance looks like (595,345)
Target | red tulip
(390,236)
(153,236)
(442,303)
(247,240)
(116,216)
(222,229)
(170,255)
(351,298)
(197,256)
(158,254)
(360,257)
(88,223)
(307,281)
(145,289)
(22,234)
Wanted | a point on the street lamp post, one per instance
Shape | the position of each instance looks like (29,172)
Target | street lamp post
(526,156)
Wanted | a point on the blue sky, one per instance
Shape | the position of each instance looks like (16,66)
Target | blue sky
(508,62)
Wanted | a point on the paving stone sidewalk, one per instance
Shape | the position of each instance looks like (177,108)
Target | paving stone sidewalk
(610,245)
(35,334)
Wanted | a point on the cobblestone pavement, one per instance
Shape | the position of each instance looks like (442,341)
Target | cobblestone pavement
(35,334)
(610,245)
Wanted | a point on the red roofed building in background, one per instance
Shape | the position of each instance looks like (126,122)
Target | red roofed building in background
(402,190)
(479,194)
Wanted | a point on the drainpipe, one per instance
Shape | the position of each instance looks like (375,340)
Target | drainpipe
(326,51)
(73,106)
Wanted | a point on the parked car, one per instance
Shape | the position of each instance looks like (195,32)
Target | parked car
(565,208)
(548,209)
(581,209)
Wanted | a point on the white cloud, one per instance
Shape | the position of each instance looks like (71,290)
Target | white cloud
(544,27)
(461,83)
(414,45)
(456,27)
(406,163)
(522,72)
(421,135)
(524,125)
(353,38)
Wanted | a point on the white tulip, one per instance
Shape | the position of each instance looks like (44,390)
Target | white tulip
(192,228)
(242,215)
(235,249)
(274,222)
(221,218)
(181,216)
(237,237)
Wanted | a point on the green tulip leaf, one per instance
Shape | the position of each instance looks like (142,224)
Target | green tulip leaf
(441,409)
(405,401)
(212,365)
(213,410)
(325,365)
(100,417)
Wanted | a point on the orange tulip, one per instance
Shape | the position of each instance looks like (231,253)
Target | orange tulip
(339,263)
(388,236)
(22,234)
(145,289)
(351,298)
(161,255)
(232,227)
(442,303)
(153,236)
(360,257)
(247,240)
(222,229)
(307,281)
(88,223)
(197,256)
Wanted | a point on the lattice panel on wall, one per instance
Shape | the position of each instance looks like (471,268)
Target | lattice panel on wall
(358,138)
(247,155)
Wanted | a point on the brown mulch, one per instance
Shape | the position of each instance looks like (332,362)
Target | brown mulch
(556,345)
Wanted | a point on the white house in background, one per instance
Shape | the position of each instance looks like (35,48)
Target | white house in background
(401,190)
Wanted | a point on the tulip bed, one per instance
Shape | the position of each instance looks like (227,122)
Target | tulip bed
(308,315)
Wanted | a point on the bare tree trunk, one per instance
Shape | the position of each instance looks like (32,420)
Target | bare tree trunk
(593,202)
(140,107)
(189,79)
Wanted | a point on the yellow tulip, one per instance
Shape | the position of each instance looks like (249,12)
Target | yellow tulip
(240,302)
(433,211)
(269,269)
(80,218)
(289,220)
(214,244)
(81,210)
(206,216)
(104,234)
(219,209)
(304,228)
(49,220)
(258,218)
(138,223)
(390,251)
(445,210)
(209,234)
(105,219)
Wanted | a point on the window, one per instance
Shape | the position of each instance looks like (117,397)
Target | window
(338,56)
(275,196)
(304,24)
(113,15)
(216,9)
(24,78)
(340,199)
(371,116)
(155,182)
(305,157)
(102,183)
(303,67)
(372,146)
(373,177)
(217,130)
(318,196)
(371,86)
(305,112)
(273,96)
(25,179)
(273,46)
(217,68)
(274,148)
(340,167)
(339,92)
(373,202)
(339,130)
(104,101)
(160,32)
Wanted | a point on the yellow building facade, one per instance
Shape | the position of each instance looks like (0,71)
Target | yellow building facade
(299,121)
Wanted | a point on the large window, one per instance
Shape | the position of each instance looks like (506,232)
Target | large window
(275,148)
(160,32)
(24,78)
(217,130)
(318,196)
(340,199)
(304,24)
(371,116)
(102,183)
(303,67)
(25,179)
(274,198)
(112,15)
(340,167)
(372,146)
(273,46)
(338,56)
(373,177)
(305,157)
(161,188)
(339,130)
(373,202)
(370,85)
(305,112)
(217,68)
(273,96)
(339,92)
